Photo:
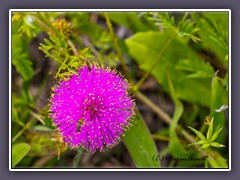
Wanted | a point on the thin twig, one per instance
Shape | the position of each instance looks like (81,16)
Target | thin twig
(161,138)
(87,42)
(27,126)
(164,116)
(37,117)
(74,50)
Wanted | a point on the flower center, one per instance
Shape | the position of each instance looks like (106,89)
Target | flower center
(92,105)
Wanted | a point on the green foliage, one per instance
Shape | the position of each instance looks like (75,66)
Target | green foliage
(58,50)
(15,115)
(22,63)
(145,47)
(22,26)
(208,140)
(219,97)
(165,20)
(196,68)
(19,151)
(130,20)
(214,32)
(98,36)
(22,31)
(185,28)
(175,147)
(217,161)
(44,142)
(140,144)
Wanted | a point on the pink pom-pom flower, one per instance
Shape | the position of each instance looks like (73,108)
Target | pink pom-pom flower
(92,108)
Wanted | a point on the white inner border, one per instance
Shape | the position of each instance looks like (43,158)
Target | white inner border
(116,10)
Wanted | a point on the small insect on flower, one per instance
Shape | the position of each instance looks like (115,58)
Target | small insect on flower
(79,124)
(92,108)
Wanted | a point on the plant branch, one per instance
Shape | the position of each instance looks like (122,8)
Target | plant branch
(27,126)
(164,116)
(115,42)
(74,50)
(161,138)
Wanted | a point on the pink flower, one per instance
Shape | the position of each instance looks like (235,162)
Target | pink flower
(92,108)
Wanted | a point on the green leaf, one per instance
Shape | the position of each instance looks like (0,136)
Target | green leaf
(39,117)
(15,117)
(163,19)
(188,29)
(19,151)
(216,144)
(25,31)
(145,47)
(130,20)
(198,133)
(215,135)
(22,64)
(210,130)
(196,67)
(175,147)
(205,146)
(140,144)
(42,128)
(185,28)
(201,142)
(21,26)
(213,31)
(218,98)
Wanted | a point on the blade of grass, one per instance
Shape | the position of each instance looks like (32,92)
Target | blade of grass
(140,144)
(19,151)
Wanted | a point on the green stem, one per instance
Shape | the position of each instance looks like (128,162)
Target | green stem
(77,158)
(37,116)
(115,42)
(21,131)
(161,138)
(206,161)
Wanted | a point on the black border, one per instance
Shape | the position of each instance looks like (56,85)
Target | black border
(5,5)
